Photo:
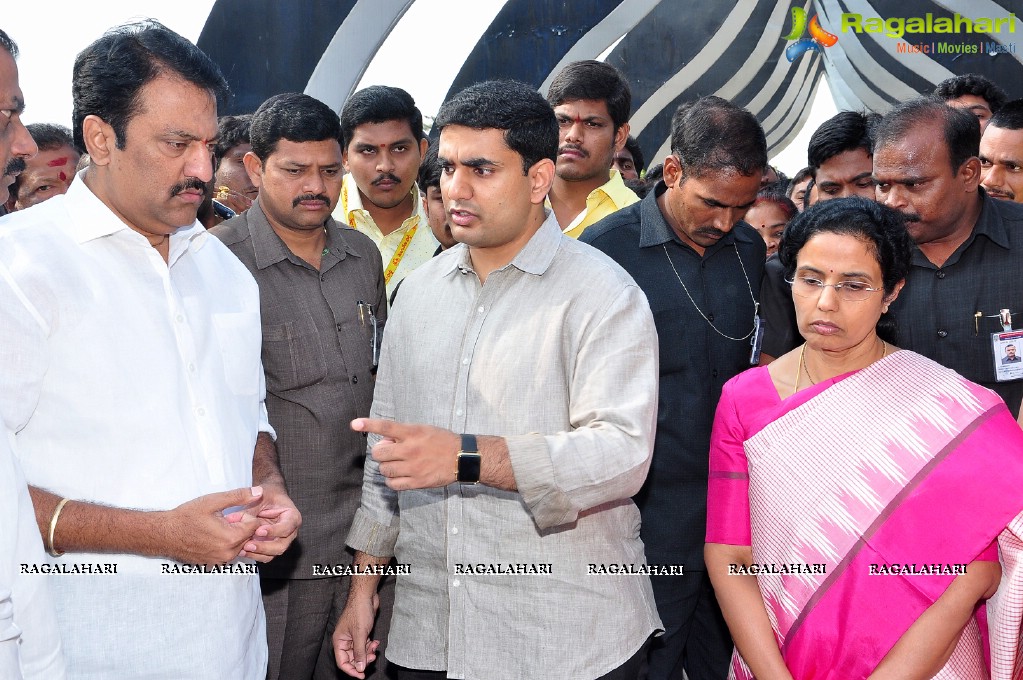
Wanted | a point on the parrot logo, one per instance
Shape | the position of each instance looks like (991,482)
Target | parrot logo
(818,36)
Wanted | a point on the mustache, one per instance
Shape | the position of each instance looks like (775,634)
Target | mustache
(711,231)
(189,183)
(15,166)
(310,197)
(573,147)
(911,217)
(386,177)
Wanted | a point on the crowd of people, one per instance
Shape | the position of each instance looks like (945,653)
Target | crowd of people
(305,394)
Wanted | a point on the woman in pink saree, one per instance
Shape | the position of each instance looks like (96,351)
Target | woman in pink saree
(864,509)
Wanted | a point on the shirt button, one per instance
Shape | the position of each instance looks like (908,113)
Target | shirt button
(942,333)
(710,317)
(465,361)
(480,310)
(179,318)
(355,380)
(323,277)
(454,530)
(191,367)
(940,273)
(456,583)
(458,412)
(200,411)
(714,373)
(339,328)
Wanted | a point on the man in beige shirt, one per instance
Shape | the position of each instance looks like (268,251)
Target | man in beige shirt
(520,536)
(382,133)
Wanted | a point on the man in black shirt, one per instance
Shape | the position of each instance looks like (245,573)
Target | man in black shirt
(700,267)
(968,263)
(968,260)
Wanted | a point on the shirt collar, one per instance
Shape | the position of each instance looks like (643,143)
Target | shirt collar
(534,258)
(990,223)
(614,188)
(654,230)
(270,249)
(92,219)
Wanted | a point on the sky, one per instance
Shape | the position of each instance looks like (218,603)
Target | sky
(50,42)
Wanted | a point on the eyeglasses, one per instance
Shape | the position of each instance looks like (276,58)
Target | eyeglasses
(850,291)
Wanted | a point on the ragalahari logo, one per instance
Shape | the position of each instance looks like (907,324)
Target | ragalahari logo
(818,39)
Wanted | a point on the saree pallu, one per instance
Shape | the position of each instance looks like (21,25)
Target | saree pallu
(903,463)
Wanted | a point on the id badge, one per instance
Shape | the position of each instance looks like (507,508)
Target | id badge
(1007,349)
(756,340)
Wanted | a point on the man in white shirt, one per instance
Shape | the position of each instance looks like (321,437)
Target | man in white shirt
(382,131)
(29,641)
(130,377)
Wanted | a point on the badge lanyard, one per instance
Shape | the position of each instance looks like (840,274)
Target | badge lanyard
(1006,347)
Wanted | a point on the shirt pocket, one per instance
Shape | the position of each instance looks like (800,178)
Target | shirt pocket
(238,340)
(292,355)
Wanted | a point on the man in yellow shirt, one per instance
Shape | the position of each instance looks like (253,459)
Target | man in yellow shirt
(383,142)
(592,102)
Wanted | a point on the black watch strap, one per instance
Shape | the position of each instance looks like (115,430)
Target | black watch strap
(468,469)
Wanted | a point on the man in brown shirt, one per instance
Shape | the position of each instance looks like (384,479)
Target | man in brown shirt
(321,288)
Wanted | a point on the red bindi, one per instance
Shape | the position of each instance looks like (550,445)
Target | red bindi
(57,162)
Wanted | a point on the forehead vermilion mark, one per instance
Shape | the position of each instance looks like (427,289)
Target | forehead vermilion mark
(57,162)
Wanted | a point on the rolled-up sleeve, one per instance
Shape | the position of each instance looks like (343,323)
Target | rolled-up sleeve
(613,411)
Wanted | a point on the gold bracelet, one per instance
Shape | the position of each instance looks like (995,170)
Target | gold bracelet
(53,525)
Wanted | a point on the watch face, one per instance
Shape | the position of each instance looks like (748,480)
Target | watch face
(469,467)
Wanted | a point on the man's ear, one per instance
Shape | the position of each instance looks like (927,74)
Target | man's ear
(970,173)
(424,144)
(541,176)
(621,136)
(672,170)
(253,168)
(99,139)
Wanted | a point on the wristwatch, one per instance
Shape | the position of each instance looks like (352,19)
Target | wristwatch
(468,470)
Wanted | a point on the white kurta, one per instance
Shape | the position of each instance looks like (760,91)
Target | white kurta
(137,384)
(29,640)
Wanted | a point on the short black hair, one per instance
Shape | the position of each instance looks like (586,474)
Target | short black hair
(771,194)
(1010,116)
(594,80)
(530,128)
(292,116)
(632,146)
(712,133)
(883,228)
(959,127)
(379,104)
(803,174)
(232,131)
(110,73)
(49,136)
(429,169)
(8,45)
(972,84)
(846,131)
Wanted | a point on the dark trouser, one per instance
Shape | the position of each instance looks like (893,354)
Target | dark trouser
(627,671)
(695,638)
(300,619)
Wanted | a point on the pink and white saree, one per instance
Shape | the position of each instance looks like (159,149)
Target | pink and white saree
(901,467)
